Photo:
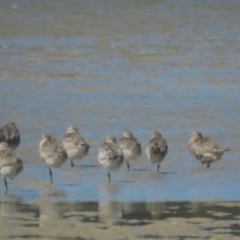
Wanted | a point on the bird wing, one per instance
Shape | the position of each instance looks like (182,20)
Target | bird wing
(2,136)
(210,146)
(7,157)
(75,139)
(52,147)
(159,144)
(111,151)
(128,142)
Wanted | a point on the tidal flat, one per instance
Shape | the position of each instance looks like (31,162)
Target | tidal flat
(46,219)
(111,66)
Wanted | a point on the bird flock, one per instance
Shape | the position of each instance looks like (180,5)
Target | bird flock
(111,154)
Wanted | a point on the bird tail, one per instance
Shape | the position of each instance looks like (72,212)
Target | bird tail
(227,149)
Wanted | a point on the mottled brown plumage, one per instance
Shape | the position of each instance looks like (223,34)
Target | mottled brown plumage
(110,155)
(75,144)
(10,164)
(157,148)
(205,149)
(52,152)
(130,147)
(10,134)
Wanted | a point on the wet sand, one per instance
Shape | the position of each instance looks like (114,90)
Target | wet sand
(118,220)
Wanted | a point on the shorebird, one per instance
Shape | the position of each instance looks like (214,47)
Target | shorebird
(10,164)
(110,155)
(205,149)
(157,148)
(130,147)
(10,134)
(52,152)
(75,145)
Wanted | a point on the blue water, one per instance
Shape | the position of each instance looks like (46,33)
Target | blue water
(110,66)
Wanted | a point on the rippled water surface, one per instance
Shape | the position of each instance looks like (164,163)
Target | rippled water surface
(107,66)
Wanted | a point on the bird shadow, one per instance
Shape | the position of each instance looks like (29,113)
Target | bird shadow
(87,166)
(166,173)
(151,171)
(140,170)
(70,185)
(160,174)
(126,181)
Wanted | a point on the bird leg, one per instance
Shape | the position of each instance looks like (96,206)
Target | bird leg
(158,167)
(72,163)
(109,177)
(128,166)
(208,165)
(5,182)
(50,172)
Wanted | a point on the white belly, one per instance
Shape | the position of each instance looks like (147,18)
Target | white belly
(110,166)
(129,155)
(76,154)
(11,171)
(55,161)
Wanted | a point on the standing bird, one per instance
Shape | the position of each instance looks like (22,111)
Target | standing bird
(110,155)
(205,149)
(130,147)
(52,152)
(10,134)
(157,148)
(75,145)
(10,164)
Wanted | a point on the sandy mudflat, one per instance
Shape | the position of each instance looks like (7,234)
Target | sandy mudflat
(120,221)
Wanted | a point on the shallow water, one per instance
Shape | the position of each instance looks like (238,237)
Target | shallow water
(107,66)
